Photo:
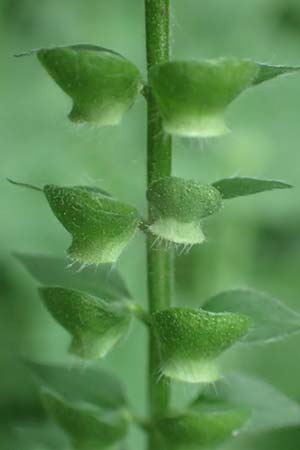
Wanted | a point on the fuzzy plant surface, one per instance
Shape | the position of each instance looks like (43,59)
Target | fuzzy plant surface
(88,409)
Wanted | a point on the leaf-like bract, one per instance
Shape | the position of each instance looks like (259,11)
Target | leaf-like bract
(103,281)
(269,408)
(87,428)
(271,320)
(78,384)
(44,435)
(266,72)
(192,96)
(194,430)
(178,206)
(239,186)
(190,341)
(95,325)
(100,226)
(102,84)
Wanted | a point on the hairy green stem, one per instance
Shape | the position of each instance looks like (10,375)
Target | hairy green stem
(159,163)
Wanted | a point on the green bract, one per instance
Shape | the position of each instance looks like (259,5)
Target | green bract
(241,186)
(101,226)
(178,206)
(269,408)
(103,281)
(102,84)
(271,319)
(192,95)
(89,385)
(195,430)
(190,340)
(95,325)
(86,427)
(41,435)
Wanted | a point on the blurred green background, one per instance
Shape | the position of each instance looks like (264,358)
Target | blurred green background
(254,242)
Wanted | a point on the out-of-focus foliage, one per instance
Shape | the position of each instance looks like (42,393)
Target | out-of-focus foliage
(253,242)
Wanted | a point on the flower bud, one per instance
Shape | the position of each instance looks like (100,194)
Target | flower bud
(100,226)
(95,325)
(178,206)
(192,96)
(190,341)
(102,84)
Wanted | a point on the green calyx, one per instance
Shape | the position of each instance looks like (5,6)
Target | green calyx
(87,428)
(194,430)
(178,206)
(100,226)
(102,84)
(192,96)
(190,341)
(95,325)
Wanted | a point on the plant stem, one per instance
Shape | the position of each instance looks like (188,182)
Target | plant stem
(159,163)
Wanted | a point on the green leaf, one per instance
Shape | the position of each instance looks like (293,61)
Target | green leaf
(75,384)
(240,186)
(41,436)
(267,72)
(178,206)
(192,96)
(103,281)
(96,190)
(95,325)
(195,430)
(100,226)
(102,84)
(88,430)
(190,340)
(271,319)
(270,409)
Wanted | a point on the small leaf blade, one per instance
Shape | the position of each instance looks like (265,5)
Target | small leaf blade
(267,72)
(86,427)
(270,408)
(41,436)
(193,430)
(240,186)
(103,281)
(78,384)
(270,318)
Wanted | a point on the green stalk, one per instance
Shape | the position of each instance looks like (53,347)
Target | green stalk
(159,163)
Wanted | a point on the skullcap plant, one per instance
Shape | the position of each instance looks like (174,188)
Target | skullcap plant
(94,305)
